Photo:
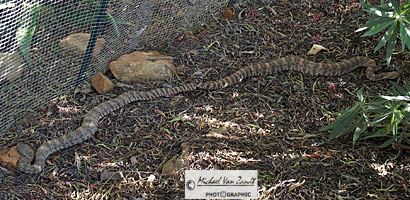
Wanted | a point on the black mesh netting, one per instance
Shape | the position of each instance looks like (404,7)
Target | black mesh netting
(36,66)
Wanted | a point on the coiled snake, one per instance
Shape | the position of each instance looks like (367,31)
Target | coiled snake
(90,121)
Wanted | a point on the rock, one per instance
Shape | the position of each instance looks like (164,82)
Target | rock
(142,65)
(11,65)
(76,44)
(10,157)
(111,175)
(101,83)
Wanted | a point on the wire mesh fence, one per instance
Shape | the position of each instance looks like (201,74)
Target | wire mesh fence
(37,65)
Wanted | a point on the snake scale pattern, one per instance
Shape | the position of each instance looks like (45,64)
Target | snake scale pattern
(90,120)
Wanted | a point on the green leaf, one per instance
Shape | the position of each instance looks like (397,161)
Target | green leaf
(114,24)
(377,106)
(342,123)
(407,86)
(380,118)
(24,33)
(378,28)
(380,12)
(361,126)
(405,5)
(400,115)
(377,7)
(406,110)
(392,31)
(175,119)
(401,90)
(388,142)
(391,43)
(379,133)
(373,22)
(167,131)
(382,42)
(406,29)
(360,95)
(396,98)
(404,12)
(393,124)
(382,131)
(379,111)
(403,35)
(341,117)
(395,6)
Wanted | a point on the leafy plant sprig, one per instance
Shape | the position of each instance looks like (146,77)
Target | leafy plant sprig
(392,16)
(389,115)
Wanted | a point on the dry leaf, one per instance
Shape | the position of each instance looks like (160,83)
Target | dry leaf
(218,133)
(296,185)
(228,13)
(315,49)
(84,88)
(77,161)
(134,161)
(174,164)
(151,178)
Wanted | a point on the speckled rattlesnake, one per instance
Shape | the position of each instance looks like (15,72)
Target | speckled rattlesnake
(90,121)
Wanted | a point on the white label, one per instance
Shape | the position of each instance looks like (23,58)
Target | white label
(221,184)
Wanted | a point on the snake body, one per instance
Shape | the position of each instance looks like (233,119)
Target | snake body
(90,120)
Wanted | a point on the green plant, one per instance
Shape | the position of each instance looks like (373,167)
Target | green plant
(392,15)
(389,116)
(25,32)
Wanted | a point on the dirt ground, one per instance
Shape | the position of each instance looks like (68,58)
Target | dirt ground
(270,124)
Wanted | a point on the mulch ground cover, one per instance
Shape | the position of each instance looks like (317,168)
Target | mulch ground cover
(270,124)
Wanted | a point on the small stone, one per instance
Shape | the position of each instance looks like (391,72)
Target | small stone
(101,83)
(112,175)
(140,65)
(76,44)
(10,157)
